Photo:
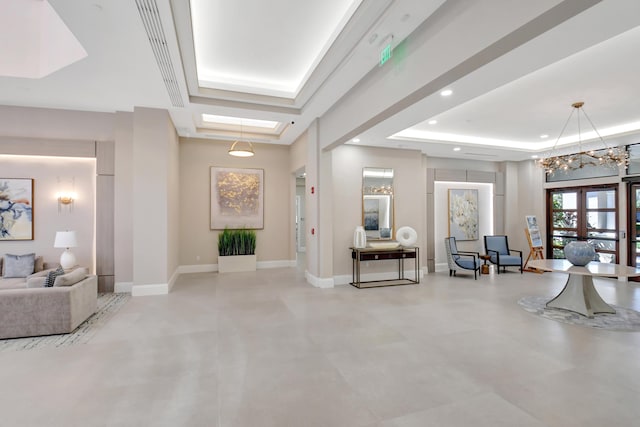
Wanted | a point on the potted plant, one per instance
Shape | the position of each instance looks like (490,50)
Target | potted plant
(236,250)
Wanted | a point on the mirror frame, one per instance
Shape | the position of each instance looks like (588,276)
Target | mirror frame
(382,189)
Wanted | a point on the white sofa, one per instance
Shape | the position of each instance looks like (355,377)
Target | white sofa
(27,308)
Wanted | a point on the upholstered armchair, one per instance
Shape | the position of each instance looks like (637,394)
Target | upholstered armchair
(497,248)
(461,260)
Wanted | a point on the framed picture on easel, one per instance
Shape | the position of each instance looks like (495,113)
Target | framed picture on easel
(535,241)
(534,231)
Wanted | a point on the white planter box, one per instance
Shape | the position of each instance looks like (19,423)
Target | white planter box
(235,263)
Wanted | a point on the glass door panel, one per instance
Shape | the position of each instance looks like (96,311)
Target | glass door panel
(634,226)
(585,213)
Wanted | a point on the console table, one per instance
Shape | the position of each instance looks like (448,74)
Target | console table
(375,254)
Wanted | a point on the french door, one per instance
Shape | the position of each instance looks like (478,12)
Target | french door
(634,224)
(584,213)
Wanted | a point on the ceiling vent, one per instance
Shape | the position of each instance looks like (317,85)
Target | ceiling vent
(151,19)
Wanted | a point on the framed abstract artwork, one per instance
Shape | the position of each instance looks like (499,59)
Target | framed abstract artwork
(463,214)
(237,198)
(16,209)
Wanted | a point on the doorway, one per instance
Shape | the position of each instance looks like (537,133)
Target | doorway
(584,213)
(300,225)
(634,224)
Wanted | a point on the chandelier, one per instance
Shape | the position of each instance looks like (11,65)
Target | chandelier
(608,156)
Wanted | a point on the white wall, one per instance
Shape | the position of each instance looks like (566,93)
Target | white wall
(441,217)
(45,172)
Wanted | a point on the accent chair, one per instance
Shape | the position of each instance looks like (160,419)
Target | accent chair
(497,248)
(461,260)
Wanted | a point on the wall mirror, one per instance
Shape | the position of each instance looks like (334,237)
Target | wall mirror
(377,203)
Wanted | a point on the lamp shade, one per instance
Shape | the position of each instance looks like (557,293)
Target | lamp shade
(241,149)
(65,239)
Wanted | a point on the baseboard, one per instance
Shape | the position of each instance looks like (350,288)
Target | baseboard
(208,268)
(173,279)
(152,289)
(319,282)
(440,267)
(122,287)
(197,268)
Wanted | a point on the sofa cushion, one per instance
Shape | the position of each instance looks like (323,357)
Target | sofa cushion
(36,281)
(52,276)
(18,265)
(71,278)
(13,283)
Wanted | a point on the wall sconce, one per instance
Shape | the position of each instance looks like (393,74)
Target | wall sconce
(66,198)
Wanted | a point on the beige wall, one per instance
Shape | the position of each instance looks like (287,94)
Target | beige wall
(298,153)
(51,124)
(154,166)
(198,243)
(45,172)
(123,199)
(409,198)
(173,194)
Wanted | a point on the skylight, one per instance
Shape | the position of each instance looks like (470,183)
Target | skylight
(226,120)
(274,50)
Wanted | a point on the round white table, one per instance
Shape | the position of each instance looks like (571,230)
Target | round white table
(579,295)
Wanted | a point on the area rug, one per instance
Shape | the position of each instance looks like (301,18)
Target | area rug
(108,305)
(623,320)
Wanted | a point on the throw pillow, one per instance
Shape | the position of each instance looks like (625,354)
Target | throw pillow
(18,265)
(71,278)
(39,264)
(51,277)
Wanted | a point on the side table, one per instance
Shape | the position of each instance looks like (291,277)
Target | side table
(485,267)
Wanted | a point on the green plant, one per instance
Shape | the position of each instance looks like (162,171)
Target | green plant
(237,242)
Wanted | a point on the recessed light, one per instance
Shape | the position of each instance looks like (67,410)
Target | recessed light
(446,92)
(356,139)
(534,156)
(457,149)
(543,136)
(433,122)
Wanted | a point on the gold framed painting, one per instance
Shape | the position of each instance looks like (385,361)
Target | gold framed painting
(16,209)
(463,214)
(237,198)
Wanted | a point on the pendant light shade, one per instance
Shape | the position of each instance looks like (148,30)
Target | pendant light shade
(241,149)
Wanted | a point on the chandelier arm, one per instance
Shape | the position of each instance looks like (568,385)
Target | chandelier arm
(594,128)
(562,131)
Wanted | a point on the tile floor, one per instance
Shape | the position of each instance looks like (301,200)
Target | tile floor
(267,349)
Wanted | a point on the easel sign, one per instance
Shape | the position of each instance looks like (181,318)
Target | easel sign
(535,242)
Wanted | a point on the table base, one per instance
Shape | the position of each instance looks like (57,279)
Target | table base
(580,296)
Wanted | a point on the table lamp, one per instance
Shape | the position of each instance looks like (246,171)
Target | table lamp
(66,239)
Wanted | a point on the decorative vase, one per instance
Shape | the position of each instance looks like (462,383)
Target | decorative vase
(406,236)
(359,238)
(579,253)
